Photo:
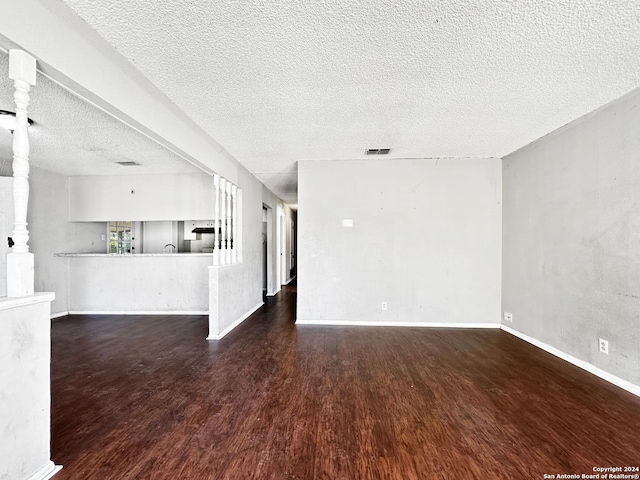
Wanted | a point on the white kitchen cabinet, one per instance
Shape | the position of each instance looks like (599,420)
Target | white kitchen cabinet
(189,225)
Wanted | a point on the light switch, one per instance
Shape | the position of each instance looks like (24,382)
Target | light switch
(347,222)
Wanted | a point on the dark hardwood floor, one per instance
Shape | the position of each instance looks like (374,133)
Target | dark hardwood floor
(149,398)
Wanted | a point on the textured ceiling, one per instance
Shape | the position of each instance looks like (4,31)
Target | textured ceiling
(72,137)
(275,82)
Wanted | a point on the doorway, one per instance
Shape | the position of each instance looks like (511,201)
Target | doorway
(265,250)
(282,248)
(268,251)
(283,253)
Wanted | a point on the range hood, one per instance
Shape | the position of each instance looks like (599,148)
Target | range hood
(204,230)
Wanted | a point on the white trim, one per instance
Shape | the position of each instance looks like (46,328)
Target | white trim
(291,279)
(273,294)
(59,314)
(139,312)
(7,303)
(236,323)
(365,323)
(598,372)
(46,472)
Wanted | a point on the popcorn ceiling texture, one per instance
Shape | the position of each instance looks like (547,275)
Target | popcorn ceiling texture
(72,137)
(279,81)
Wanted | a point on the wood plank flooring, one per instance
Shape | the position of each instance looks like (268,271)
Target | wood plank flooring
(149,398)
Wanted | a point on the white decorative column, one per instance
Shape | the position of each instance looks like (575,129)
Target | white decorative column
(20,277)
(227,254)
(223,221)
(25,344)
(216,220)
(234,224)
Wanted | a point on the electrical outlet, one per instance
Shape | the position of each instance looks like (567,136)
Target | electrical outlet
(508,317)
(104,237)
(604,346)
(384,305)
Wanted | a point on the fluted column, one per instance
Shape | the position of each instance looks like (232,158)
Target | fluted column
(20,277)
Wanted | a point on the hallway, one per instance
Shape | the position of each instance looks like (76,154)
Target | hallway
(147,397)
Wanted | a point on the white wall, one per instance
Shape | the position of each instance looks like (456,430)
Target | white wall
(186,196)
(571,233)
(25,399)
(425,238)
(50,232)
(135,283)
(155,235)
(237,289)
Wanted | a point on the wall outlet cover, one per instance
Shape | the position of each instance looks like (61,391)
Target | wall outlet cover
(508,317)
(603,346)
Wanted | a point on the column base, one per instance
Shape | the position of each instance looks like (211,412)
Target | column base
(20,276)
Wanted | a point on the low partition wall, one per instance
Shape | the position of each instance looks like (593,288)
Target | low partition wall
(25,387)
(230,302)
(139,284)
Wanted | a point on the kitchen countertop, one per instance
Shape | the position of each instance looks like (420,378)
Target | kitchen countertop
(134,255)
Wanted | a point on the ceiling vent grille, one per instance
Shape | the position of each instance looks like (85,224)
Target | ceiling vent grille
(377,151)
(128,164)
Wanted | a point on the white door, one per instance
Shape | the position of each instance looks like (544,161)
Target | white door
(6,228)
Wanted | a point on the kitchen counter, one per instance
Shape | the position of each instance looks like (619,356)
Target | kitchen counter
(134,255)
(139,283)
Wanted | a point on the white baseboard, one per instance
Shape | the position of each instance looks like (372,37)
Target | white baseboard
(290,280)
(139,312)
(236,323)
(273,294)
(59,314)
(359,323)
(46,472)
(624,384)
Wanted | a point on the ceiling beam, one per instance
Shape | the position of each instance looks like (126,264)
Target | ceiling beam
(71,53)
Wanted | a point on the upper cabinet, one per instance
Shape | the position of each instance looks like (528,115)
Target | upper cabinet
(185,196)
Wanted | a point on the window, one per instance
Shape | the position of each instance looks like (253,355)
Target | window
(120,237)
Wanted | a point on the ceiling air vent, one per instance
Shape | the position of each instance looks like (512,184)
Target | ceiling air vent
(128,164)
(377,151)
